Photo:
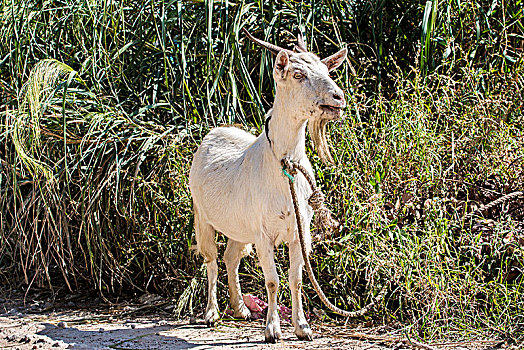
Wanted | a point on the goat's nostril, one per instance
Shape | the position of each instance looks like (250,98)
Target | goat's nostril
(337,97)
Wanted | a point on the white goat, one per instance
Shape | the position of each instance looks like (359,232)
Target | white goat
(239,189)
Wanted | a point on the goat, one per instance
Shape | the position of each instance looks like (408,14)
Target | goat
(238,187)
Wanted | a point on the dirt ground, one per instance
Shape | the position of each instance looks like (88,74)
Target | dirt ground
(41,325)
(85,330)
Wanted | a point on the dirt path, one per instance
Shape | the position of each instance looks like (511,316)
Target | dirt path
(74,330)
(80,322)
(43,326)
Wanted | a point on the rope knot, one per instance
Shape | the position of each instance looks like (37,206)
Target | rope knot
(289,169)
(289,166)
(323,219)
(316,201)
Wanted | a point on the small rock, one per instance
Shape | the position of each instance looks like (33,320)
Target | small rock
(14,311)
(101,330)
(62,324)
(40,340)
(11,338)
(25,339)
(56,345)
(133,326)
(149,299)
(192,320)
(169,307)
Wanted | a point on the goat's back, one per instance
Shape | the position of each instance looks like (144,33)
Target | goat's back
(219,151)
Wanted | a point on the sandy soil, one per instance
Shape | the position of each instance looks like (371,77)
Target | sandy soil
(44,326)
(73,330)
(86,323)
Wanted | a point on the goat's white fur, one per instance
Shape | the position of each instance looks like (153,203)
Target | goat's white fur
(239,190)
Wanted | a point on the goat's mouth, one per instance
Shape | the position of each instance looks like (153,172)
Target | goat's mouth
(334,112)
(317,128)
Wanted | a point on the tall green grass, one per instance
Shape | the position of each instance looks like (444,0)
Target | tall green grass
(95,150)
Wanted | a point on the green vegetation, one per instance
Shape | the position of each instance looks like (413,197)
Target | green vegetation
(95,150)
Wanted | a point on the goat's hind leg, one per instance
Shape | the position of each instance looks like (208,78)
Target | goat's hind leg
(206,245)
(234,252)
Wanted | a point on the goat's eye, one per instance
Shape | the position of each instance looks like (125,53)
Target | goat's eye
(298,75)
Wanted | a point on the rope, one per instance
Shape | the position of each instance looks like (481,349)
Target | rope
(323,217)
(325,220)
(494,203)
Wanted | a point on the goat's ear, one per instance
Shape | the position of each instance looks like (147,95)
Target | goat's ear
(334,61)
(281,64)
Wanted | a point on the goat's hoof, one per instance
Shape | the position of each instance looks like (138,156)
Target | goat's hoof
(243,313)
(304,332)
(273,333)
(211,317)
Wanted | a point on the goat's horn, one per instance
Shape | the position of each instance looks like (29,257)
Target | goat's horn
(273,48)
(301,45)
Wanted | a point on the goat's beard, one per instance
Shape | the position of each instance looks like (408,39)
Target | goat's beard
(317,130)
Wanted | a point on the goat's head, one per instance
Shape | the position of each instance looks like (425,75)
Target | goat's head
(303,78)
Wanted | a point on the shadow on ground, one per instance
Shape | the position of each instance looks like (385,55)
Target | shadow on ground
(145,336)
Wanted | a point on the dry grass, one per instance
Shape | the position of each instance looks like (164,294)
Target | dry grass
(95,151)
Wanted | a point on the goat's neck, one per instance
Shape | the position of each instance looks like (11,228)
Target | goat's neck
(287,131)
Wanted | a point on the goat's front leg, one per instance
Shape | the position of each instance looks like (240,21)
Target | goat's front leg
(302,329)
(267,261)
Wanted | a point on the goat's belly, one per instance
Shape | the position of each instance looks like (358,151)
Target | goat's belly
(241,223)
(245,212)
(247,224)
